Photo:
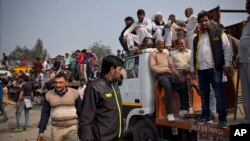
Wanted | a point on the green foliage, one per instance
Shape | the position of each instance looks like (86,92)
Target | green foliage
(100,50)
(28,54)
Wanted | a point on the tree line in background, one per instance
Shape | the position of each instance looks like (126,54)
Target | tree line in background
(100,50)
(28,54)
(39,51)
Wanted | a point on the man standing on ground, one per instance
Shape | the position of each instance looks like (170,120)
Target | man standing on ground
(63,105)
(25,93)
(101,113)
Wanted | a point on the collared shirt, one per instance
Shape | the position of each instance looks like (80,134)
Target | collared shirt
(181,59)
(191,24)
(160,62)
(81,91)
(205,56)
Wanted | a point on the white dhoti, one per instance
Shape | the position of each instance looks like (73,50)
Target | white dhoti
(141,33)
(158,34)
(168,36)
(190,38)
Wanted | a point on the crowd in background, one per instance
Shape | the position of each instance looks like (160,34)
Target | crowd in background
(80,66)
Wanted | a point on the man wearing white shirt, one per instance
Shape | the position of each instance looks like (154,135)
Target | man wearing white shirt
(211,56)
(158,25)
(67,60)
(142,27)
(191,25)
(181,56)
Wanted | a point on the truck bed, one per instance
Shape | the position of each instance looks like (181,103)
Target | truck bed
(189,124)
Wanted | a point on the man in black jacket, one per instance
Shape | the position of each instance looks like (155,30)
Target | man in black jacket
(101,113)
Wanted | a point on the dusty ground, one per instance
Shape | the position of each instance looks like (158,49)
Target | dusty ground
(7,134)
(6,128)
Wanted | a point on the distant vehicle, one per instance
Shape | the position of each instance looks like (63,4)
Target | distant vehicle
(17,69)
(5,72)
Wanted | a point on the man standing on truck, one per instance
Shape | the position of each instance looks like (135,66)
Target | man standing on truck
(211,56)
(168,77)
(191,25)
(244,62)
(101,113)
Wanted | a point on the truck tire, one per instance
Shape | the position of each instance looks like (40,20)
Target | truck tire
(144,131)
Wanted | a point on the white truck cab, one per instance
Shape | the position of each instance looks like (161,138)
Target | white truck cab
(138,94)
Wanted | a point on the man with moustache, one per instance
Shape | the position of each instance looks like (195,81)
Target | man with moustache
(63,105)
(101,113)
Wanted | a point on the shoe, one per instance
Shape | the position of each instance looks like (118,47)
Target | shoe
(18,129)
(26,129)
(5,119)
(171,117)
(201,121)
(222,124)
(212,116)
(182,113)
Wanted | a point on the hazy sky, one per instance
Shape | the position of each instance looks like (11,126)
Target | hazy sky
(67,25)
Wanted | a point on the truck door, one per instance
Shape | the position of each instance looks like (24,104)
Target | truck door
(131,86)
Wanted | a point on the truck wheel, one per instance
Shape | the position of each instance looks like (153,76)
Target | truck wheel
(144,131)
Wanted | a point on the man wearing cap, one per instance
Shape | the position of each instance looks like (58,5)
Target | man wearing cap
(158,25)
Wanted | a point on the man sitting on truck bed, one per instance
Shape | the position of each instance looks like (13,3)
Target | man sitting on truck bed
(168,77)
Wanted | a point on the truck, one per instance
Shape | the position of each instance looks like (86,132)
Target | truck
(144,114)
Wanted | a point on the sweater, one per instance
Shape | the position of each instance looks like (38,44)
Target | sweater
(63,109)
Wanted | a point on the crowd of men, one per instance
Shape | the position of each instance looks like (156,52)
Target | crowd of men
(63,104)
(208,55)
(136,33)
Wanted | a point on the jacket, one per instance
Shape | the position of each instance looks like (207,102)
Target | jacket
(101,114)
(222,56)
